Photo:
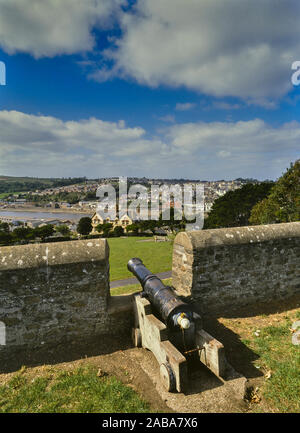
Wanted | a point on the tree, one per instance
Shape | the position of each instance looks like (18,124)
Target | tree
(5,238)
(24,233)
(91,195)
(145,225)
(106,228)
(118,231)
(99,228)
(4,227)
(263,213)
(133,228)
(63,229)
(233,208)
(283,201)
(84,226)
(44,231)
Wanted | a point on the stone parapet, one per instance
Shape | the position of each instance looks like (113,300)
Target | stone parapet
(237,266)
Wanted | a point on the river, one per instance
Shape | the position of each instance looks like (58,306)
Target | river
(23,215)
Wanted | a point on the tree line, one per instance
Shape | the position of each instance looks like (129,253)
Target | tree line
(263,203)
(23,234)
(12,185)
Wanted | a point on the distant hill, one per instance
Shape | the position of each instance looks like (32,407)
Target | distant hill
(10,184)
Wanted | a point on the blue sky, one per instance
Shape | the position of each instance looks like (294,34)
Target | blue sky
(158,89)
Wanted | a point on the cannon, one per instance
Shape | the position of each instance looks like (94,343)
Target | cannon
(172,330)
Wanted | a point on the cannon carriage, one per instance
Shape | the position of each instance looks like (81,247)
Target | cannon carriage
(172,330)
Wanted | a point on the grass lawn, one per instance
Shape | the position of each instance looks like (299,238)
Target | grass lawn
(157,256)
(279,360)
(7,194)
(73,391)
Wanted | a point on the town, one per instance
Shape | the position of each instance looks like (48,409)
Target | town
(79,200)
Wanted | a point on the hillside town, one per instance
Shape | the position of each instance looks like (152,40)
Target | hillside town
(63,206)
(42,198)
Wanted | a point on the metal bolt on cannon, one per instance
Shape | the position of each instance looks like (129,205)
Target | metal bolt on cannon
(170,328)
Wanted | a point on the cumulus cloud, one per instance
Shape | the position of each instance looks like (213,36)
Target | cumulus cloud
(237,48)
(229,48)
(221,105)
(167,118)
(52,27)
(34,145)
(45,145)
(235,149)
(184,106)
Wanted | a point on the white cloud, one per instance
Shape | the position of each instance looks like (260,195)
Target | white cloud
(47,146)
(51,27)
(235,149)
(223,48)
(236,48)
(185,106)
(167,118)
(44,145)
(220,105)
(223,153)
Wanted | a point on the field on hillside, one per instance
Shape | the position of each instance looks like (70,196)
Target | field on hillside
(157,256)
(9,184)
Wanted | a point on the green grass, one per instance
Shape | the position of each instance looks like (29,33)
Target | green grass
(279,356)
(131,288)
(7,194)
(157,256)
(75,391)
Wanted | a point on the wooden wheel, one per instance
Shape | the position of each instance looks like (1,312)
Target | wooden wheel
(167,377)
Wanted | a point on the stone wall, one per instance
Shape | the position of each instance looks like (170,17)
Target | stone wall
(237,266)
(57,293)
(53,292)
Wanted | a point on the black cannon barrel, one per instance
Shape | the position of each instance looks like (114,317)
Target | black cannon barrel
(163,298)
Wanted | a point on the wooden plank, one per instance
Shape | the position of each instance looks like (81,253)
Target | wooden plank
(212,353)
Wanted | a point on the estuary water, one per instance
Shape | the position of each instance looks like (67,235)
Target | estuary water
(23,215)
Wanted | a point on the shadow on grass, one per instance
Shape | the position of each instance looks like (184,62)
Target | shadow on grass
(237,353)
(64,352)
